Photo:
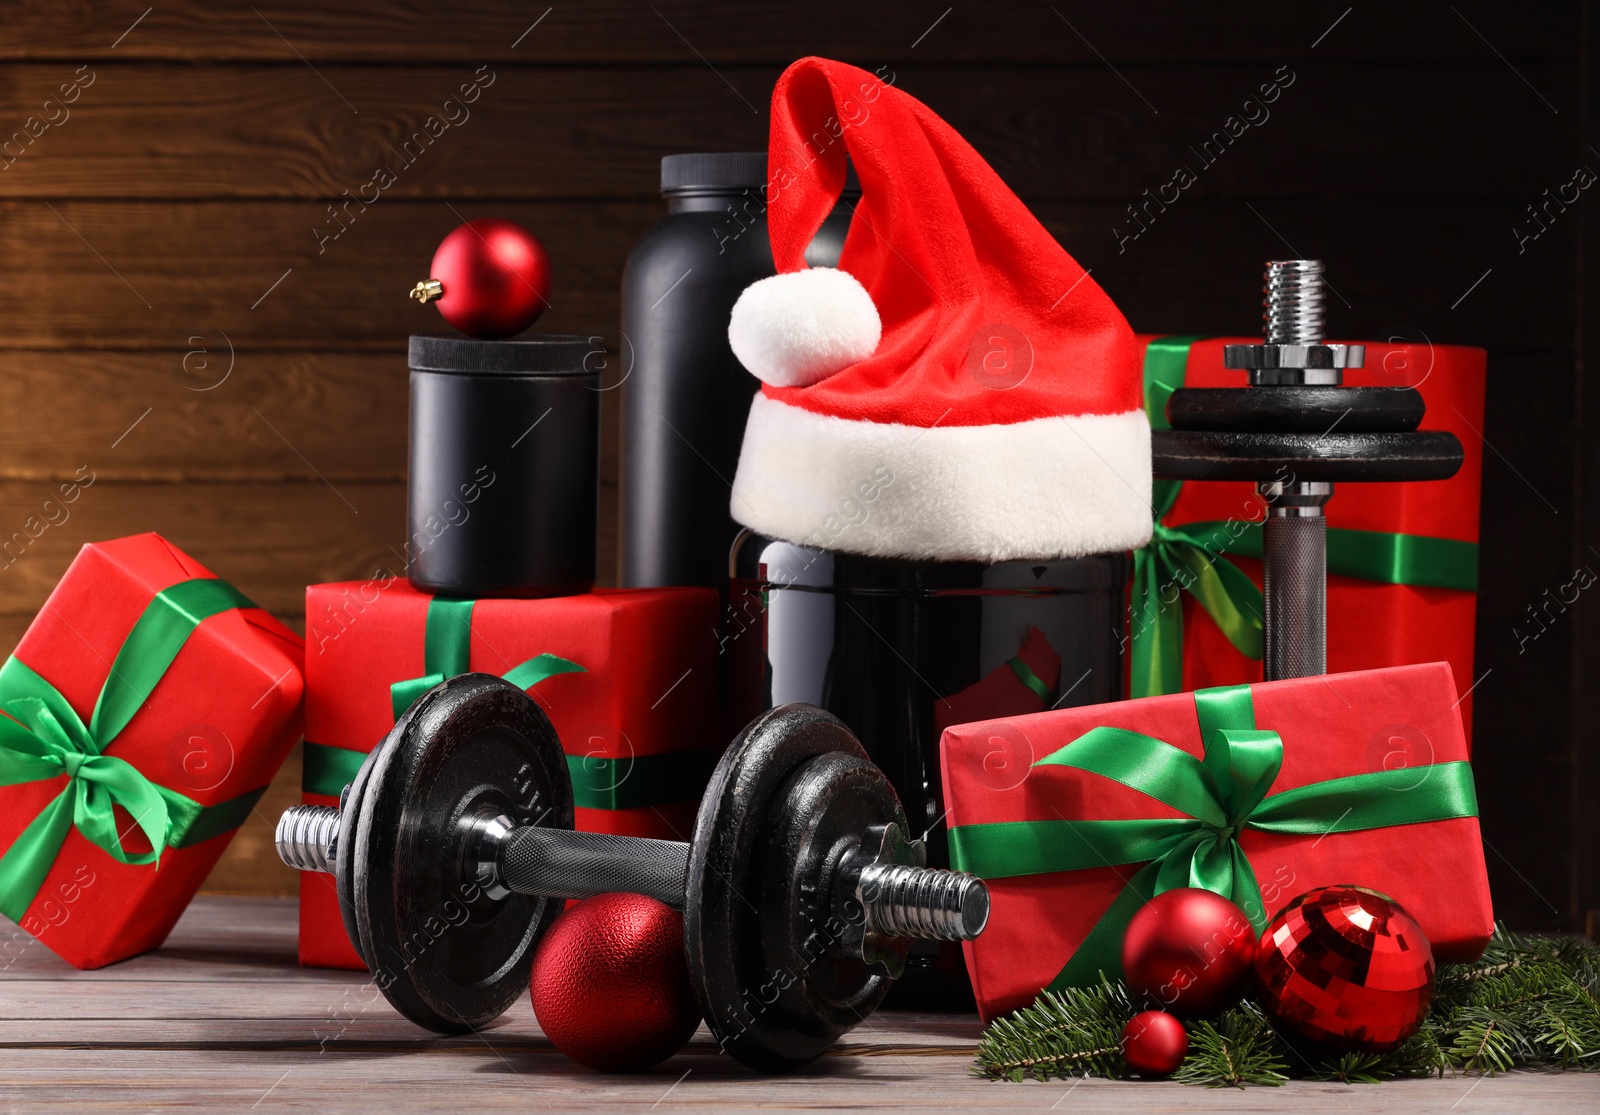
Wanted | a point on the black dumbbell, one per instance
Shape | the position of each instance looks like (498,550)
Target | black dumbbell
(454,851)
(1295,430)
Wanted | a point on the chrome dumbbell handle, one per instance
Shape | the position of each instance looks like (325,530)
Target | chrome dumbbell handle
(1295,545)
(901,900)
(562,863)
(1294,583)
(548,862)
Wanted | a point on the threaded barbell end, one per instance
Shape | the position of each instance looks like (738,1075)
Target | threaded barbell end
(308,837)
(1294,302)
(924,902)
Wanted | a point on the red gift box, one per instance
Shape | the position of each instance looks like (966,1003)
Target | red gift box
(637,722)
(149,704)
(1402,558)
(1075,817)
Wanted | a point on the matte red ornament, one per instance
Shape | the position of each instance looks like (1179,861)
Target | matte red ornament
(610,984)
(1188,951)
(490,278)
(1154,1044)
(1346,969)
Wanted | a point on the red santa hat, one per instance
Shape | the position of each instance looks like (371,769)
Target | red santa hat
(958,388)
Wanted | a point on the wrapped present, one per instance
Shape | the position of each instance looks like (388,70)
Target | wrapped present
(628,678)
(1402,558)
(1257,792)
(146,710)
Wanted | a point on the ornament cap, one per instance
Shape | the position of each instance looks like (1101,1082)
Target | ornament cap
(428,290)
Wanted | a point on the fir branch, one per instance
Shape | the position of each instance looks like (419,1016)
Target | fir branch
(1239,1048)
(1064,1033)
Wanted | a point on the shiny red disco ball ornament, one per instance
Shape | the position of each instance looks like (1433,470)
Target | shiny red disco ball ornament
(1345,969)
(1154,1044)
(490,278)
(611,985)
(1188,951)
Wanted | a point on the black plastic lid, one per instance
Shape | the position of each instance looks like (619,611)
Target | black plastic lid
(712,172)
(549,354)
(733,172)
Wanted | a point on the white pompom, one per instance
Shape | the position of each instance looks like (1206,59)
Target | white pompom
(798,329)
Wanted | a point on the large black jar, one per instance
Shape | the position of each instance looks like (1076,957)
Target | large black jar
(899,650)
(503,491)
(685,397)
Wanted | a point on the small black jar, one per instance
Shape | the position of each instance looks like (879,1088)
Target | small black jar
(503,492)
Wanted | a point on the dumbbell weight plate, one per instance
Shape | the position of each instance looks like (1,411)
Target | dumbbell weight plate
(1221,455)
(445,954)
(825,805)
(350,805)
(772,1001)
(1296,408)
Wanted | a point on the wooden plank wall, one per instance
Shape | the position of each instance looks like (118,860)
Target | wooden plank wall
(181,319)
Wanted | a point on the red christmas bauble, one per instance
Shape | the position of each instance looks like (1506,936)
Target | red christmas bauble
(611,985)
(490,278)
(1346,969)
(1154,1044)
(1188,951)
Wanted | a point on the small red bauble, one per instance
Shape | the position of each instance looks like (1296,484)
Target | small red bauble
(490,278)
(611,985)
(1154,1044)
(1345,969)
(1188,951)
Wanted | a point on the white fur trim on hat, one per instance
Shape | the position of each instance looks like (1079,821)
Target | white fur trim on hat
(1047,488)
(797,329)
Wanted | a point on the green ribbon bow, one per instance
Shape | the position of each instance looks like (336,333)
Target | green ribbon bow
(1188,558)
(597,783)
(43,737)
(446,653)
(1221,797)
(447,648)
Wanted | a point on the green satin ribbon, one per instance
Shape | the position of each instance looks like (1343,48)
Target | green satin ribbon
(1220,796)
(1180,558)
(1189,558)
(42,737)
(1375,555)
(447,647)
(1032,680)
(327,770)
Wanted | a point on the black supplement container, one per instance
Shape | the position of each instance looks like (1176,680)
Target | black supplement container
(900,650)
(503,491)
(685,397)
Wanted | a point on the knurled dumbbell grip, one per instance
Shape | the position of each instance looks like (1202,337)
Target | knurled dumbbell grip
(561,863)
(1295,560)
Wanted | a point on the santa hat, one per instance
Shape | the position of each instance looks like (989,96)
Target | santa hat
(958,388)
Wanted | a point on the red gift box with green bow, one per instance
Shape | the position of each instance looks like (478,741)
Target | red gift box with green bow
(1258,792)
(1402,558)
(145,711)
(627,677)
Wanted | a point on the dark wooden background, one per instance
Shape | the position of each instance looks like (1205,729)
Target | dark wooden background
(160,232)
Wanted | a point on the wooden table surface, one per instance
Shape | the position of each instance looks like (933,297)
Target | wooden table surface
(224,1017)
